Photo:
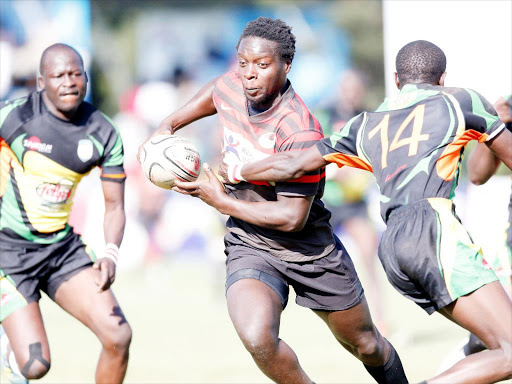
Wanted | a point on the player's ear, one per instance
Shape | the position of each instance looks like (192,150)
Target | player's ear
(86,77)
(397,80)
(441,79)
(40,82)
(287,66)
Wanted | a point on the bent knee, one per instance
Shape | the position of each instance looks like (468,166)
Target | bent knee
(117,338)
(260,345)
(33,368)
(367,346)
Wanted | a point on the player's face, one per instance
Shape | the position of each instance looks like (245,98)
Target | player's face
(64,81)
(261,70)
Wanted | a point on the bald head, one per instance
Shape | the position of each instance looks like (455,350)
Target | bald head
(59,49)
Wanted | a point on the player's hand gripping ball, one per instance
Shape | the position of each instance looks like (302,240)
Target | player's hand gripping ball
(167,158)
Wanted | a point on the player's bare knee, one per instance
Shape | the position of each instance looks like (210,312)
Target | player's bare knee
(259,345)
(117,338)
(368,346)
(34,368)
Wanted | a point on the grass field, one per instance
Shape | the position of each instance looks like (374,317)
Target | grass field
(182,334)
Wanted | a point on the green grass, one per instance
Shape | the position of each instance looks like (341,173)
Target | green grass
(182,334)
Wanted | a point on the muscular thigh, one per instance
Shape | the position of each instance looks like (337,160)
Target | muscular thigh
(79,296)
(486,312)
(254,309)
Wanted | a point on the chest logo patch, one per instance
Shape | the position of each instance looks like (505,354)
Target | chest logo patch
(55,193)
(34,143)
(85,150)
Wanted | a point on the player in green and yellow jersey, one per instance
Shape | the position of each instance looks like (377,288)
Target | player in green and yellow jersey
(49,141)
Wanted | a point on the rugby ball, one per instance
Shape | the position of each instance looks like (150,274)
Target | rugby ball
(167,158)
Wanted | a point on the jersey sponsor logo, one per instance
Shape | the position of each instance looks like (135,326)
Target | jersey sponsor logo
(267,140)
(55,193)
(85,150)
(34,143)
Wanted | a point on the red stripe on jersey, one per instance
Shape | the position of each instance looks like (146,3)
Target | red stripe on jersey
(308,178)
(260,183)
(232,96)
(301,138)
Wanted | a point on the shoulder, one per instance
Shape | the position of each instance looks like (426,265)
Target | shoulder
(20,110)
(93,116)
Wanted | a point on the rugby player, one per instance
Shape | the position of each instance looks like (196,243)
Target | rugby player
(413,144)
(49,141)
(279,234)
(482,164)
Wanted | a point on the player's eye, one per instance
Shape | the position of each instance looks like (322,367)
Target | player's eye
(263,65)
(242,63)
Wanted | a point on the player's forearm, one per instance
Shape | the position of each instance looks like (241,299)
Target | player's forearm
(482,164)
(113,225)
(264,214)
(279,167)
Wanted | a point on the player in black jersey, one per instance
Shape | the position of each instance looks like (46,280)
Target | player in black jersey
(49,141)
(413,144)
(279,234)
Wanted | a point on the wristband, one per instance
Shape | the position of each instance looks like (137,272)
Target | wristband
(235,173)
(112,252)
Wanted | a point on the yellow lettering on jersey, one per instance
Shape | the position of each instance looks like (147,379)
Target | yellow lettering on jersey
(417,115)
(383,128)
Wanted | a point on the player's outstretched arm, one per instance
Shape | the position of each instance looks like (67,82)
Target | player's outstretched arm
(113,228)
(287,214)
(284,166)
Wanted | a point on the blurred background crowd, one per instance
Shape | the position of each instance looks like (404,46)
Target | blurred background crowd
(147,58)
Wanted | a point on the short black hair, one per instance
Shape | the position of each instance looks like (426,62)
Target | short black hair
(420,62)
(272,30)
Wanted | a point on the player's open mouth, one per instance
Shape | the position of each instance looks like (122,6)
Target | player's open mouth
(74,93)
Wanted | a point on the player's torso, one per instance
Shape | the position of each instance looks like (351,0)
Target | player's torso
(414,143)
(42,161)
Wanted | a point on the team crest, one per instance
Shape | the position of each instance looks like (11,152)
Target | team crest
(85,150)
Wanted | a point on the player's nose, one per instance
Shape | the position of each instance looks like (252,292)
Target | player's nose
(250,72)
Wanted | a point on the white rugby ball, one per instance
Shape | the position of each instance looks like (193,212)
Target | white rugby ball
(167,158)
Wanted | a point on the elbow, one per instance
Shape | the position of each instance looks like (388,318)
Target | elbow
(477,178)
(295,224)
